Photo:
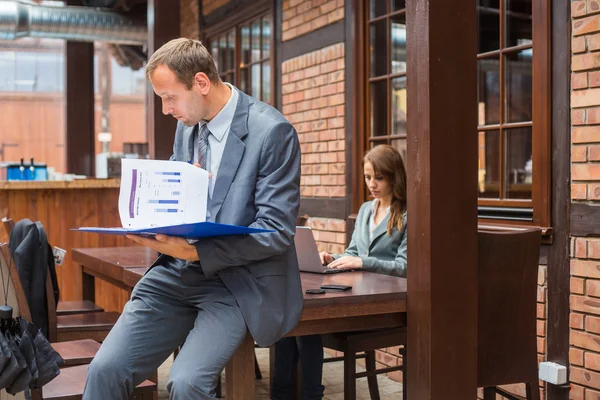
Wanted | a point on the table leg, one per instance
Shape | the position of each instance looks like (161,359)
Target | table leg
(239,373)
(88,286)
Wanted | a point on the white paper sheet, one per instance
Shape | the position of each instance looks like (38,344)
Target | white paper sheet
(161,193)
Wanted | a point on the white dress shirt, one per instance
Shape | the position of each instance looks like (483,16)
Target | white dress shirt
(219,128)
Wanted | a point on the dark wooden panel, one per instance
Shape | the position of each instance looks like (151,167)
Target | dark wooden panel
(314,40)
(557,349)
(323,207)
(79,108)
(231,13)
(585,219)
(163,25)
(278,60)
(442,343)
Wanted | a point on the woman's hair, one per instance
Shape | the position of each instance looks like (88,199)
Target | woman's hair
(387,162)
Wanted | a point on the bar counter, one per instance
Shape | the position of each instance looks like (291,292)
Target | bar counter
(60,206)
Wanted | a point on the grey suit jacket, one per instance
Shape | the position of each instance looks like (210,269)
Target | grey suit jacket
(258,185)
(385,254)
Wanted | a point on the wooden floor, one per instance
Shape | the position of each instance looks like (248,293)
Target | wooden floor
(332,379)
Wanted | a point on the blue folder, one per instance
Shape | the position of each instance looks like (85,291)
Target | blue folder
(188,231)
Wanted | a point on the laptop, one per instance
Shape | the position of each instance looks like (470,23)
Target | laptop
(308,254)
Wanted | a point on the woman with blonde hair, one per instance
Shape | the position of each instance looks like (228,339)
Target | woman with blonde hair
(378,245)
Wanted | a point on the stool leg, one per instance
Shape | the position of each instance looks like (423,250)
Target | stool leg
(349,374)
(257,373)
(533,391)
(372,380)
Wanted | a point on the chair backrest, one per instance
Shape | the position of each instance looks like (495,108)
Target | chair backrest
(508,271)
(12,284)
(9,224)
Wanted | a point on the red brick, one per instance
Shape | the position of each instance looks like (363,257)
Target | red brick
(592,361)
(594,191)
(585,172)
(541,294)
(578,8)
(585,304)
(593,6)
(584,377)
(585,61)
(541,311)
(577,117)
(577,285)
(579,80)
(592,288)
(593,79)
(586,269)
(594,153)
(576,392)
(581,247)
(586,25)
(584,340)
(578,45)
(592,115)
(578,191)
(576,356)
(592,324)
(576,320)
(579,153)
(541,328)
(593,42)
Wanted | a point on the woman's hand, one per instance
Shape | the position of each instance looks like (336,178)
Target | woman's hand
(347,262)
(326,258)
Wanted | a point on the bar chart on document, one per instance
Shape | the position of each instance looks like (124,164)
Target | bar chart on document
(160,193)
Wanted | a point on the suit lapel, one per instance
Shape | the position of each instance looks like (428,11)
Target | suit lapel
(232,155)
(188,140)
(380,229)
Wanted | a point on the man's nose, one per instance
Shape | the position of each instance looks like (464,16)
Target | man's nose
(165,109)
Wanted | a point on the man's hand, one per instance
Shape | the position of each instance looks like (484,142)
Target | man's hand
(346,262)
(170,245)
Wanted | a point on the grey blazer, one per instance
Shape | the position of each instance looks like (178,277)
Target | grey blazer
(385,254)
(258,185)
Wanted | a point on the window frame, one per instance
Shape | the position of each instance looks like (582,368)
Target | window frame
(245,16)
(540,202)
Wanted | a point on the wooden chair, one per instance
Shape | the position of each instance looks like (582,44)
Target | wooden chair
(63,307)
(93,324)
(77,354)
(363,344)
(507,343)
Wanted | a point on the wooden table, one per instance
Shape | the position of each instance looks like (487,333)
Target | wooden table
(375,301)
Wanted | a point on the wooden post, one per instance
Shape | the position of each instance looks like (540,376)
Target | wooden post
(163,25)
(79,107)
(442,199)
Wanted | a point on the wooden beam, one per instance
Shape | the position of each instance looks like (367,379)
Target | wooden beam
(442,177)
(79,108)
(163,25)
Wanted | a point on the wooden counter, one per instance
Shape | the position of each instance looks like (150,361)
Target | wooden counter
(60,206)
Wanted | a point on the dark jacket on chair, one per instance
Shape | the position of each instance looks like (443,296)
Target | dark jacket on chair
(33,258)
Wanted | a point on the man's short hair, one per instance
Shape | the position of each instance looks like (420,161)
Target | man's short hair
(185,57)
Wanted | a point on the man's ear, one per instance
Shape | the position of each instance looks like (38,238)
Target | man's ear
(201,79)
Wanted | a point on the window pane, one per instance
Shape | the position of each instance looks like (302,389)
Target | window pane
(400,145)
(245,32)
(518,174)
(266,81)
(518,86)
(7,71)
(488,90)
(223,53)
(518,22)
(489,165)
(256,81)
(378,48)
(399,106)
(255,41)
(266,37)
(214,51)
(488,15)
(378,111)
(231,50)
(48,72)
(25,68)
(398,25)
(398,4)
(244,80)
(377,8)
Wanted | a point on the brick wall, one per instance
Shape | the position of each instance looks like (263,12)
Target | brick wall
(189,14)
(584,354)
(209,6)
(301,16)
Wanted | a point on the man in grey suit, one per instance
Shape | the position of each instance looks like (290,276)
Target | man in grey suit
(209,294)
